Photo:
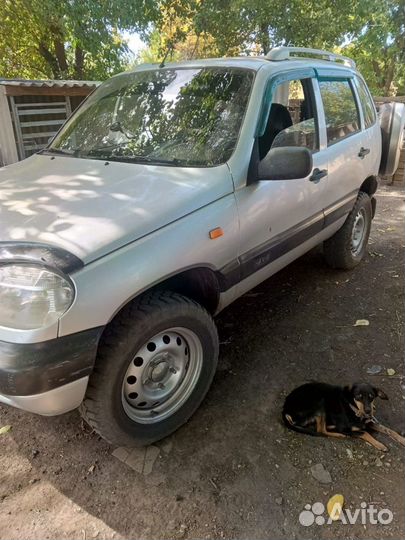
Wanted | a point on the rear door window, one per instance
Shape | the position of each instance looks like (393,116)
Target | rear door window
(341,112)
(366,103)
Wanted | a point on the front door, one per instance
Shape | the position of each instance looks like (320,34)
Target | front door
(279,216)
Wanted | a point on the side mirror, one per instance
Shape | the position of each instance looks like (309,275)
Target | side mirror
(285,163)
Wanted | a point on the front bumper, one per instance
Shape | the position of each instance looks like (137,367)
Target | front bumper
(57,401)
(49,377)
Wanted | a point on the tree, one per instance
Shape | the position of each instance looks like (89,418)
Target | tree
(372,32)
(254,26)
(179,34)
(68,38)
(379,50)
(82,38)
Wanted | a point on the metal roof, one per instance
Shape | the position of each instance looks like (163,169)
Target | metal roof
(49,83)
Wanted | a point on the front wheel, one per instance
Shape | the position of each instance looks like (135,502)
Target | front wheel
(346,248)
(155,364)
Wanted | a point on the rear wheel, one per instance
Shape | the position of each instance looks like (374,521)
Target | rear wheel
(346,248)
(154,367)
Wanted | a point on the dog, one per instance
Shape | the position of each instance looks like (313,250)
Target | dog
(337,411)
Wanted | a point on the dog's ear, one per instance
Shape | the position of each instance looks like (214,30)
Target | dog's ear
(380,393)
(348,389)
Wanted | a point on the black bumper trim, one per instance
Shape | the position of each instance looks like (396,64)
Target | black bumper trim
(36,252)
(33,368)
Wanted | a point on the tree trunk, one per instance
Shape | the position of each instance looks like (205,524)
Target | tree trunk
(61,55)
(379,70)
(79,63)
(388,78)
(264,38)
(50,59)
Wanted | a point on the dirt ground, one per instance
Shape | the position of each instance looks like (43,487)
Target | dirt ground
(234,471)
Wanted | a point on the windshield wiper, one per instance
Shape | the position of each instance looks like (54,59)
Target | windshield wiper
(99,153)
(144,159)
(60,152)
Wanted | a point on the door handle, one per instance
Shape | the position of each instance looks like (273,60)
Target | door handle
(363,152)
(317,174)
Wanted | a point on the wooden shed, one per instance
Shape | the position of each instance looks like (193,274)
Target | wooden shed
(32,111)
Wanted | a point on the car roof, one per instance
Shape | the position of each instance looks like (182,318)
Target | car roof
(250,62)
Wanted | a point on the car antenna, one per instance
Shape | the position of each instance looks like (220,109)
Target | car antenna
(170,48)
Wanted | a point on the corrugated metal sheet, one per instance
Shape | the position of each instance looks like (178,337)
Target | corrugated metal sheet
(49,83)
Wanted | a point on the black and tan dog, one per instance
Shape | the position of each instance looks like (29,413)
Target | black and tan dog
(336,411)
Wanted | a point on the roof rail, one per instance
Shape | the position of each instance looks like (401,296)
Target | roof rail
(286,53)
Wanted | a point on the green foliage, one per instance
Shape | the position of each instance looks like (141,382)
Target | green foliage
(371,32)
(379,50)
(254,26)
(82,38)
(68,38)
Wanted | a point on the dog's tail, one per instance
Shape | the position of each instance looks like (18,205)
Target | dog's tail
(289,422)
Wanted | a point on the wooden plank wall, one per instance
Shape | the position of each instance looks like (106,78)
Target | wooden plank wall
(8,148)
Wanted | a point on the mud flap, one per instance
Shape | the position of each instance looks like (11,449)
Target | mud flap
(373,206)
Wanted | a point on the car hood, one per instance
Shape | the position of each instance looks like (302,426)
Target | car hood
(90,207)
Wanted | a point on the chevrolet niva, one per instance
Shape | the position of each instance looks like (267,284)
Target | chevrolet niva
(169,193)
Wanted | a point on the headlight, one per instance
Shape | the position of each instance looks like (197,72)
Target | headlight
(32,296)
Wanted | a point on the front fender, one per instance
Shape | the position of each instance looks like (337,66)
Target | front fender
(104,286)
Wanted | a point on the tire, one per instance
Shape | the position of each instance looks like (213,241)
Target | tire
(346,248)
(177,342)
(392,121)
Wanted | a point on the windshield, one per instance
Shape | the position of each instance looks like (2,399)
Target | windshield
(189,117)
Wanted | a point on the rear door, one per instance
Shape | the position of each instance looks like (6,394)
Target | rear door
(372,130)
(347,146)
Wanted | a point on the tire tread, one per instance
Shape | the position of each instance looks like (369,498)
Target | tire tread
(118,331)
(337,249)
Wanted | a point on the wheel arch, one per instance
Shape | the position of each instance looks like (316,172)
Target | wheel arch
(199,283)
(369,185)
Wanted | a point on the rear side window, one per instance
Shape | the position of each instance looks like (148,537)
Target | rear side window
(341,114)
(366,103)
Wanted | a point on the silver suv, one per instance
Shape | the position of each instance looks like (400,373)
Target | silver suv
(172,191)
